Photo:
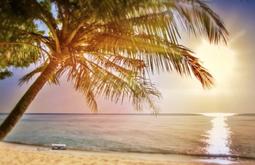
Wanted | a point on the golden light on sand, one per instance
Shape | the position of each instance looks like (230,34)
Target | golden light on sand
(218,59)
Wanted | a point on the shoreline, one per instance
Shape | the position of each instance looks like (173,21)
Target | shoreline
(192,156)
(13,153)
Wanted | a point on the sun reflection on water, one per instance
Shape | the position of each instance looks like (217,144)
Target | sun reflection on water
(219,135)
(218,138)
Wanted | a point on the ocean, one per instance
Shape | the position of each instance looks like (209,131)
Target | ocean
(218,136)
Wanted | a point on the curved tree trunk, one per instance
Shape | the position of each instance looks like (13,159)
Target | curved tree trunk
(25,101)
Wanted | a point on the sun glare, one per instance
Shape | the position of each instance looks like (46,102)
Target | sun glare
(218,59)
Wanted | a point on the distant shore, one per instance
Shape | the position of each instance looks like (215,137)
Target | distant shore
(20,154)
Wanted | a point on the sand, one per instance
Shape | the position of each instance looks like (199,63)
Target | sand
(16,154)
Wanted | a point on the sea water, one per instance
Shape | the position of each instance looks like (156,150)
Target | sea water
(221,136)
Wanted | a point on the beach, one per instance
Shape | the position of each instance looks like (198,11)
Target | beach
(19,154)
(35,155)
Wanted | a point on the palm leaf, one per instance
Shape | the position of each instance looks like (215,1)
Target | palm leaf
(107,48)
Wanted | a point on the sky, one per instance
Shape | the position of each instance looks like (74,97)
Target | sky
(232,65)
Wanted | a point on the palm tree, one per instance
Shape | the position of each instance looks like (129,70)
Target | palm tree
(105,47)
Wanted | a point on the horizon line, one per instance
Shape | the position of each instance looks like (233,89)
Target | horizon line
(156,114)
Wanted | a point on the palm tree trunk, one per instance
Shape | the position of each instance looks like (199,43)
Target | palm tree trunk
(26,100)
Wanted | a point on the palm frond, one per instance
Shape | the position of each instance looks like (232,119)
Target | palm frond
(54,79)
(31,74)
(157,54)
(97,79)
(166,19)
(196,16)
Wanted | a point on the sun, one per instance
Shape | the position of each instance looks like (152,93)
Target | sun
(218,59)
